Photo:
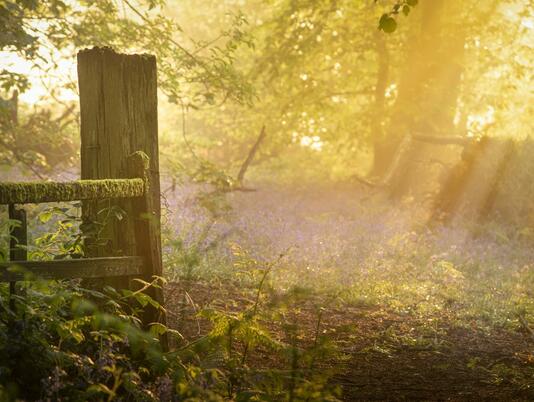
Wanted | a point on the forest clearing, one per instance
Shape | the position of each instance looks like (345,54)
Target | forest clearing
(252,200)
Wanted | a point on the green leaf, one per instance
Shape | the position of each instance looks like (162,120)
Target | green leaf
(100,388)
(142,299)
(157,329)
(412,3)
(387,24)
(45,216)
(82,307)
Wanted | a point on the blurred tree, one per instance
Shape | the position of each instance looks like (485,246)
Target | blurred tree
(439,74)
(314,68)
(39,140)
(44,32)
(39,30)
(337,83)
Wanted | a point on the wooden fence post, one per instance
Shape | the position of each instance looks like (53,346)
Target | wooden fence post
(147,234)
(118,111)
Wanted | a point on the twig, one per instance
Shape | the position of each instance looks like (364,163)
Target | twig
(251,154)
(184,133)
(444,140)
(238,188)
(191,301)
(365,181)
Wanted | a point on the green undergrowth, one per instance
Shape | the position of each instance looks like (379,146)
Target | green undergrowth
(430,296)
(61,341)
(67,340)
(416,280)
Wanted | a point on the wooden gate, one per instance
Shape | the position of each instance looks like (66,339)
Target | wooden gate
(119,164)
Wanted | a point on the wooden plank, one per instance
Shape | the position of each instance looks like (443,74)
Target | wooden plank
(39,192)
(72,269)
(17,242)
(147,235)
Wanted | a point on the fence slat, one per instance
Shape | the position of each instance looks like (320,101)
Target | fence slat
(72,269)
(39,192)
(17,242)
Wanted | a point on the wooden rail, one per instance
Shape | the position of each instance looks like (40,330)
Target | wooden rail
(39,192)
(71,269)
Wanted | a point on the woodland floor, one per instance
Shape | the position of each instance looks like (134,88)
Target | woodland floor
(432,315)
(457,366)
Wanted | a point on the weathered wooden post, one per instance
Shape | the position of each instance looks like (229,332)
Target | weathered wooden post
(118,110)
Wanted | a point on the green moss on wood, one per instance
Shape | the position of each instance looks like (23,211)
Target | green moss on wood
(38,192)
(138,163)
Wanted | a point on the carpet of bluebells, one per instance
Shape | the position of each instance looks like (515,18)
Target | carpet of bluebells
(373,252)
(408,304)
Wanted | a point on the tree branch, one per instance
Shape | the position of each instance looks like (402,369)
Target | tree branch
(251,154)
(443,140)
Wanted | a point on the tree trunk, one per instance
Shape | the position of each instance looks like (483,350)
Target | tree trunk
(413,81)
(377,128)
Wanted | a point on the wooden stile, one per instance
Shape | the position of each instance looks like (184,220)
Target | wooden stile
(120,165)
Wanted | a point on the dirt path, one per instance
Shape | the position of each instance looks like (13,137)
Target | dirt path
(388,356)
(469,365)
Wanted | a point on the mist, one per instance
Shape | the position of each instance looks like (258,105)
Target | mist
(266,200)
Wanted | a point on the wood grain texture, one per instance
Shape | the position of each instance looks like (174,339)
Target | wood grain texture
(71,269)
(118,111)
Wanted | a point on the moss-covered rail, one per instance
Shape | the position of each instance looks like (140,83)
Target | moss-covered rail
(71,269)
(39,192)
